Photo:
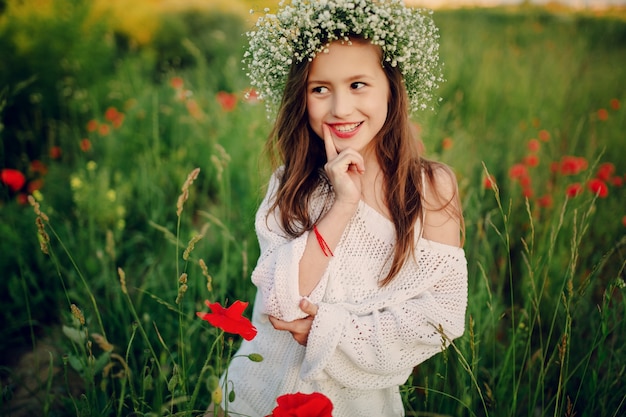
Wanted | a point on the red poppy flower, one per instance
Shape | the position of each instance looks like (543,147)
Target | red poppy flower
(544,135)
(92,125)
(12,178)
(489,182)
(615,104)
(111,114)
(572,165)
(533,145)
(598,187)
(624,221)
(605,171)
(617,181)
(230,319)
(573,190)
(446,144)
(104,129)
(603,114)
(228,101)
(177,83)
(38,167)
(55,152)
(303,405)
(518,171)
(34,185)
(531,160)
(85,145)
(545,201)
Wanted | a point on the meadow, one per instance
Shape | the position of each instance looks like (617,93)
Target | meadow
(132,165)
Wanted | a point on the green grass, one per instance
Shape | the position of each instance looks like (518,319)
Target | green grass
(546,304)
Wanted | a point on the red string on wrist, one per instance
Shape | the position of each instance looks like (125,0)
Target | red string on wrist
(325,248)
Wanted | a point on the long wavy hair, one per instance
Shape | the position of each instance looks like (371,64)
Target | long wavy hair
(293,145)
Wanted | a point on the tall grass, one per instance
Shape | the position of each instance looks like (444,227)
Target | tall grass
(128,264)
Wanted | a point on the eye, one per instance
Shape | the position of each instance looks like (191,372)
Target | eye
(319,90)
(357,85)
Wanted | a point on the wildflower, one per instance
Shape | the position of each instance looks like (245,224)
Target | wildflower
(446,144)
(55,152)
(12,178)
(598,187)
(489,182)
(304,405)
(194,109)
(531,160)
(22,199)
(615,104)
(545,201)
(624,221)
(38,167)
(177,83)
(528,192)
(104,129)
(572,165)
(602,114)
(230,319)
(518,171)
(251,96)
(544,135)
(605,171)
(85,145)
(617,181)
(228,101)
(573,190)
(407,36)
(111,114)
(533,145)
(34,186)
(92,125)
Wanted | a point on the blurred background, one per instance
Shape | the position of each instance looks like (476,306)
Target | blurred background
(109,248)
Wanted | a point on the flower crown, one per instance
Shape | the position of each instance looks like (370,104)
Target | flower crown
(300,30)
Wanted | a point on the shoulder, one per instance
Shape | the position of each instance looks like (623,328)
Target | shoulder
(443,218)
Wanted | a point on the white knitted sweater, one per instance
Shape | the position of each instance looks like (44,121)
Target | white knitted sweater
(365,339)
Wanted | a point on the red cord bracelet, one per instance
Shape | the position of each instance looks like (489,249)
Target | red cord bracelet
(322,243)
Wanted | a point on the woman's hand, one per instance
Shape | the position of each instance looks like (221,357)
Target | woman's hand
(299,329)
(344,170)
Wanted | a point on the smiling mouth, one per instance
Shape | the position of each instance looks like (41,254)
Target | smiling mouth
(347,128)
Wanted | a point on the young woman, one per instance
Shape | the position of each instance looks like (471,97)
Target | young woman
(361,275)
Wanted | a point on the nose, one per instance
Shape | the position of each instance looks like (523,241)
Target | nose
(342,104)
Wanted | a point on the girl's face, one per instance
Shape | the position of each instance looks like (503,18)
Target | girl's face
(348,90)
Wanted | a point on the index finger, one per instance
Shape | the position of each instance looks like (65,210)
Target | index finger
(331,151)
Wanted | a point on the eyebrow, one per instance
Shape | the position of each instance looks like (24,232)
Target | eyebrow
(349,79)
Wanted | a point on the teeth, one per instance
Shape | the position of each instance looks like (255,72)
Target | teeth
(347,127)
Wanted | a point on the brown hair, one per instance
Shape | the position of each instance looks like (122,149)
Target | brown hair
(293,144)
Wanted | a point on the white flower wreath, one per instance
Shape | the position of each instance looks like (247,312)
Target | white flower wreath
(301,29)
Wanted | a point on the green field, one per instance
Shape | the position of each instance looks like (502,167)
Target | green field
(106,130)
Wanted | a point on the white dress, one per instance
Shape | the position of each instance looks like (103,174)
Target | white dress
(365,339)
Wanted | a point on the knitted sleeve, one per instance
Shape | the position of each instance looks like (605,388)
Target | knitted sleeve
(379,348)
(277,269)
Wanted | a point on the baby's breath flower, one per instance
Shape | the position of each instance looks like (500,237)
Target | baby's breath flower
(301,29)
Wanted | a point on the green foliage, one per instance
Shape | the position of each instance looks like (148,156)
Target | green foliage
(546,303)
